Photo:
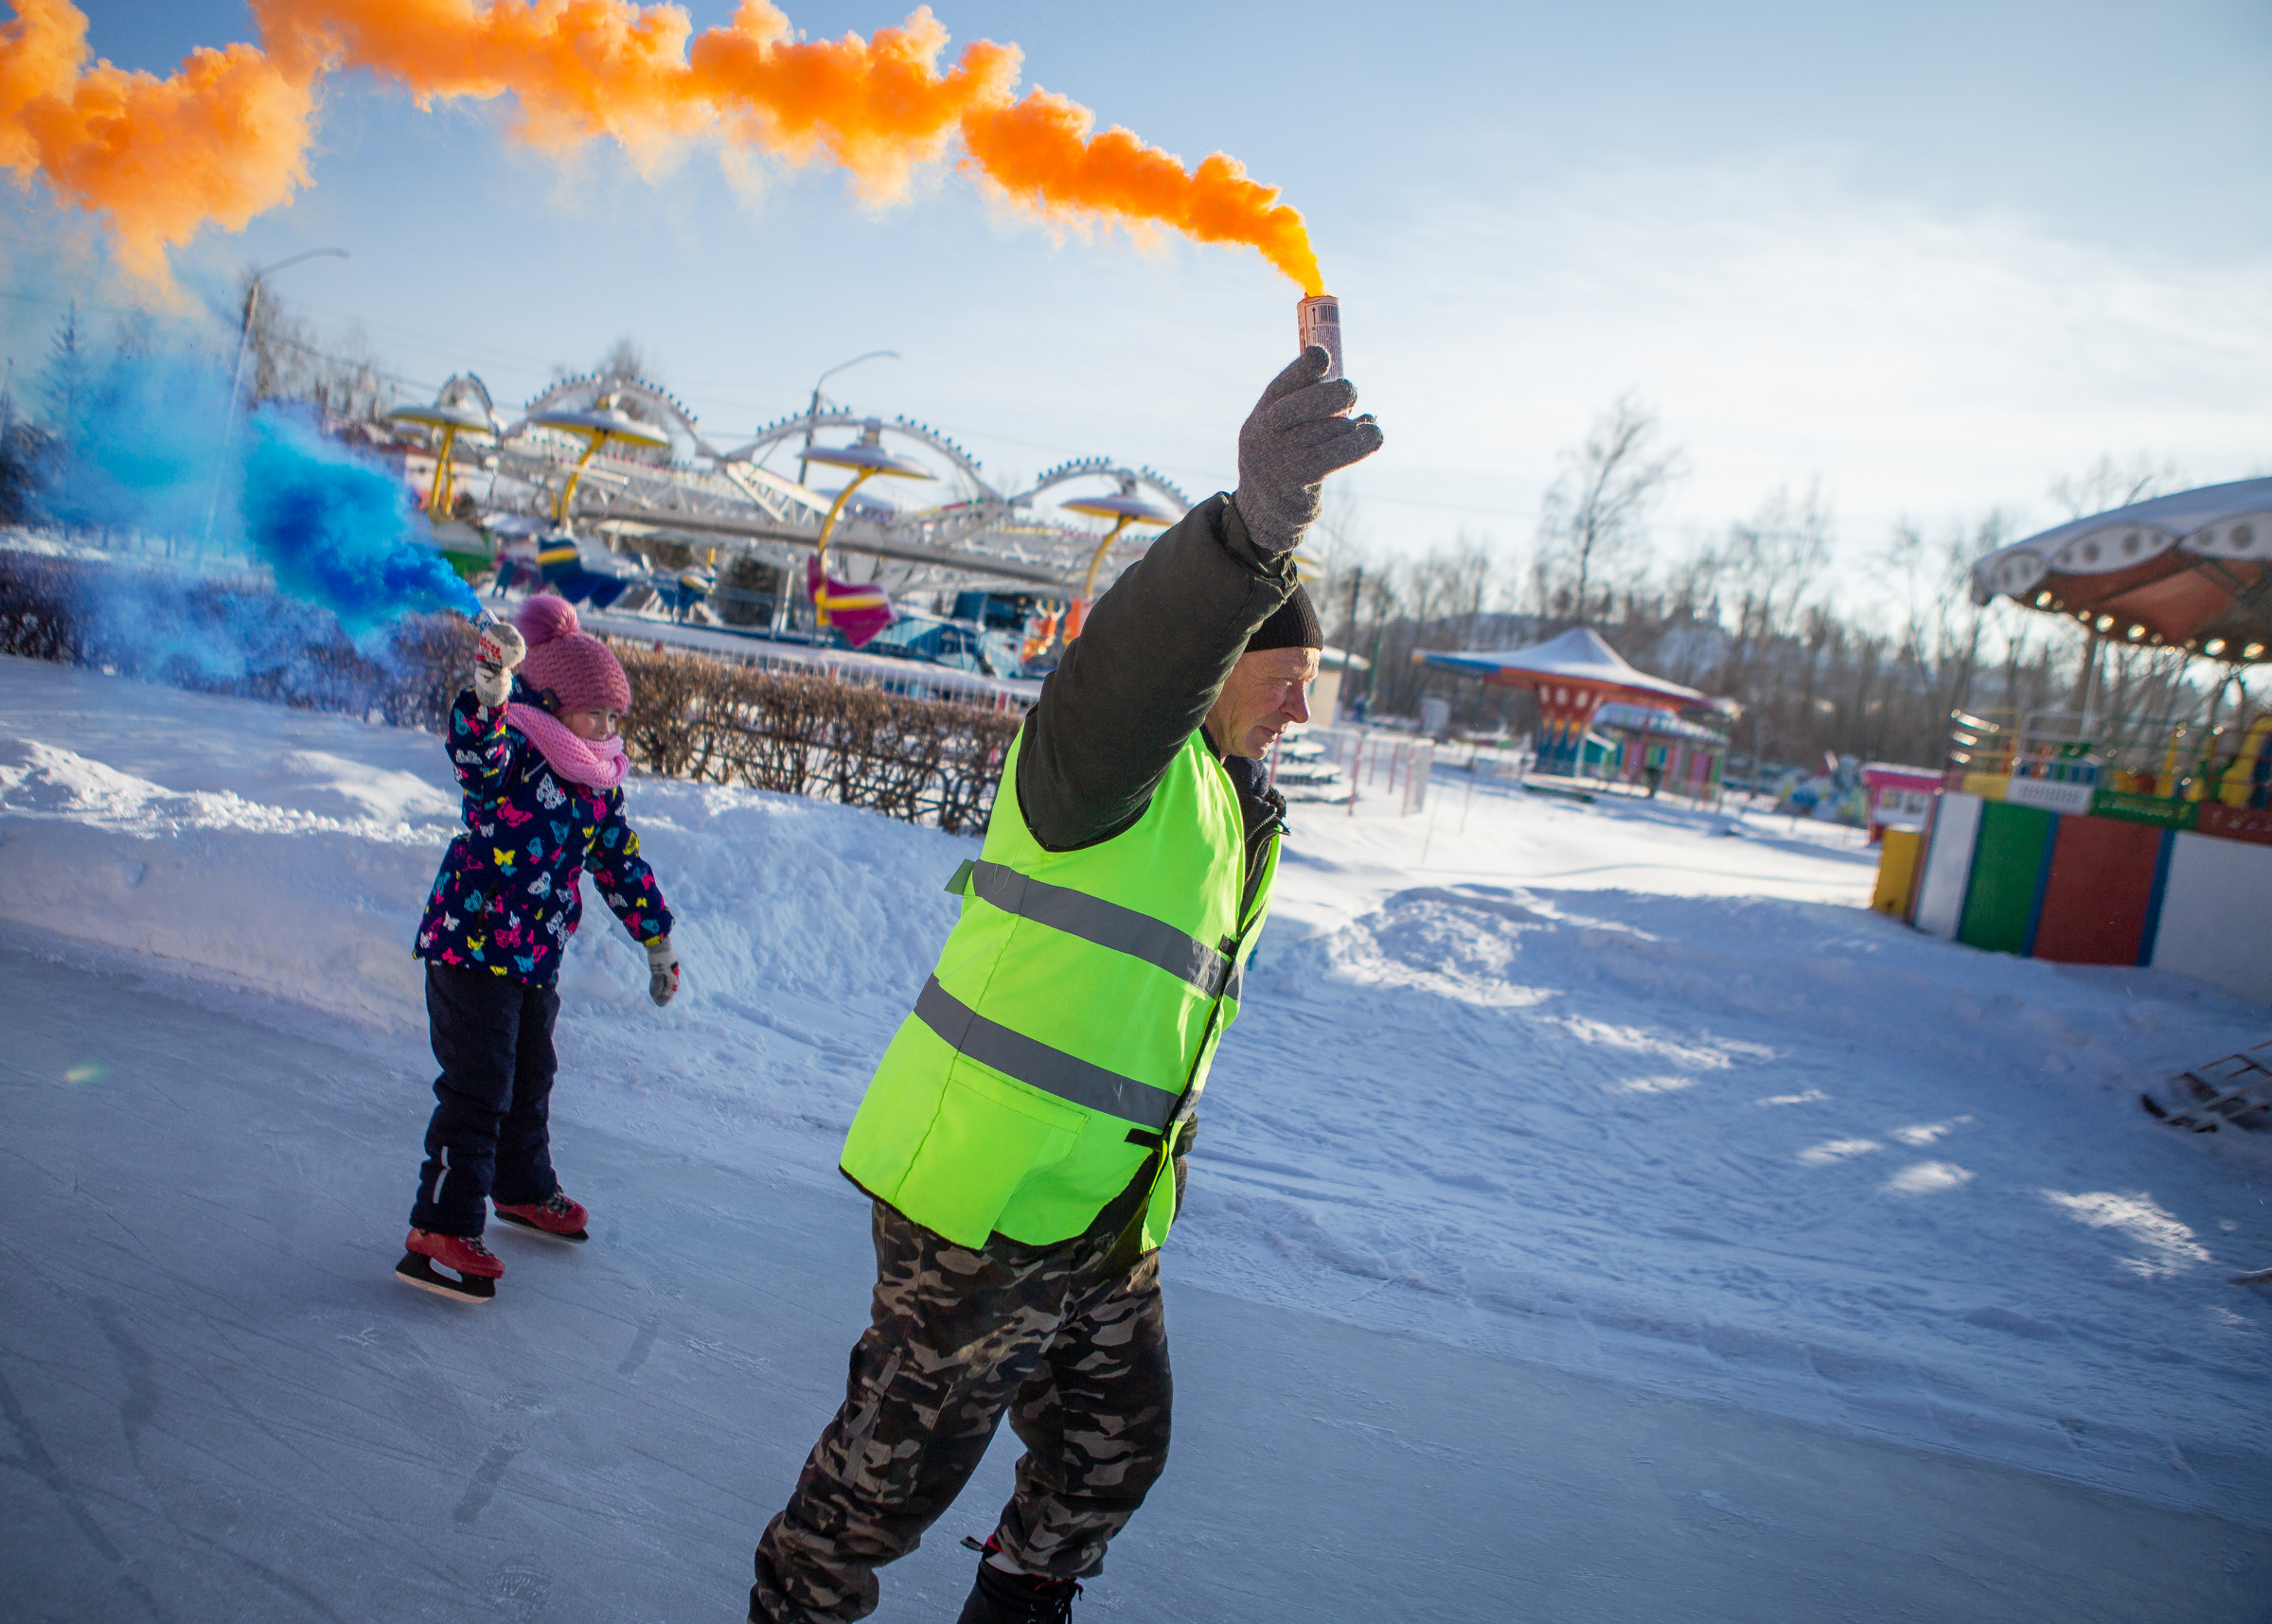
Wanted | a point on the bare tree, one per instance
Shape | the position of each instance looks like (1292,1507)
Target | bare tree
(288,361)
(276,342)
(625,358)
(1593,515)
(1751,615)
(1337,547)
(2107,485)
(346,379)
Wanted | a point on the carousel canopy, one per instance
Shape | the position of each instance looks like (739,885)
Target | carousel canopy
(466,420)
(605,423)
(1656,723)
(1132,508)
(1577,660)
(2193,570)
(860,454)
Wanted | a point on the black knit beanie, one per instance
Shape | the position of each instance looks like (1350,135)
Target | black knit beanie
(1294,625)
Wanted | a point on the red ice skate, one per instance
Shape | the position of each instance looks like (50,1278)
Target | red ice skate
(556,1215)
(450,1265)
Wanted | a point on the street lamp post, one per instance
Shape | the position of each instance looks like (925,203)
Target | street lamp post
(813,412)
(244,337)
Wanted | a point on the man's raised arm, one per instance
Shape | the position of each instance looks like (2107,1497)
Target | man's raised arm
(1158,646)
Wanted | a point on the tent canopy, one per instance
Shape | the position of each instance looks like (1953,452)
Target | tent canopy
(2193,570)
(1579,658)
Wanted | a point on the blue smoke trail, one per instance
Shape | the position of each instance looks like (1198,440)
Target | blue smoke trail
(339,531)
(140,436)
(147,448)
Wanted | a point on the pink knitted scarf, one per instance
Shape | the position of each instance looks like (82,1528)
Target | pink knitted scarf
(595,764)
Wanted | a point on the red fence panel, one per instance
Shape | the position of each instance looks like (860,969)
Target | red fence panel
(2100,891)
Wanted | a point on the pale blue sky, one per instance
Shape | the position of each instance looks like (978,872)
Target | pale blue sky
(1933,256)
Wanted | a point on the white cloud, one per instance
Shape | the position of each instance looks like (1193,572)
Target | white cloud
(1784,325)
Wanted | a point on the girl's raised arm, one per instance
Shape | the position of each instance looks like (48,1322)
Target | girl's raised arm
(480,750)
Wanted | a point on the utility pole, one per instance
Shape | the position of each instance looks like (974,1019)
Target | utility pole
(244,339)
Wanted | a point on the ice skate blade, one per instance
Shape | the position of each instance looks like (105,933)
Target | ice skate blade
(417,1269)
(549,1234)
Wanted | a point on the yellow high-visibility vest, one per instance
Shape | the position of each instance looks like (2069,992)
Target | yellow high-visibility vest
(1068,1028)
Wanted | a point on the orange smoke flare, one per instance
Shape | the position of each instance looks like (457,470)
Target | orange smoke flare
(236,122)
(1041,151)
(223,140)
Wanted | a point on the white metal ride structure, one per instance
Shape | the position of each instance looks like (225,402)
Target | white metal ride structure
(753,501)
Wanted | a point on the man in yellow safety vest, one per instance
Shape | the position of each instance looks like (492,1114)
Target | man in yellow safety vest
(1023,1137)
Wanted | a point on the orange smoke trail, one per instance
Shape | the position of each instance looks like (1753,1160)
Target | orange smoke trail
(1040,150)
(584,69)
(219,142)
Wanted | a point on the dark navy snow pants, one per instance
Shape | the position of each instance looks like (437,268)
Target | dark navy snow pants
(491,1132)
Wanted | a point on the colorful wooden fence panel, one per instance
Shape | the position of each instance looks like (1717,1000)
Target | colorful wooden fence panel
(2100,900)
(2009,863)
(2216,913)
(1897,872)
(1948,864)
(2132,883)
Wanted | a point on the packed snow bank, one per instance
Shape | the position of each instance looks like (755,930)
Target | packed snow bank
(1625,1089)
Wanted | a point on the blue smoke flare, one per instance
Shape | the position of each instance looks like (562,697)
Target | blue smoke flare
(146,448)
(337,530)
(141,436)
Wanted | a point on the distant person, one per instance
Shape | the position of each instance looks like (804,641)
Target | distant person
(535,746)
(1023,1137)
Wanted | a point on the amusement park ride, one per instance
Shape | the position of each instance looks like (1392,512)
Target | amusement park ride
(600,469)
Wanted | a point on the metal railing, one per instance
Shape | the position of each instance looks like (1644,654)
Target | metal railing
(2144,755)
(1379,765)
(909,679)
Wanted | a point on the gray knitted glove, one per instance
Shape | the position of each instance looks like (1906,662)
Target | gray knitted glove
(1294,438)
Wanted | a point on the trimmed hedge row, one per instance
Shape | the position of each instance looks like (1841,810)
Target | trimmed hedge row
(213,637)
(926,761)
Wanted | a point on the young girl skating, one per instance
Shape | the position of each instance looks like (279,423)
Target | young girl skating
(542,769)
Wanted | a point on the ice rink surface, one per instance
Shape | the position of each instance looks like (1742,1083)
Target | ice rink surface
(219,1405)
(1597,1215)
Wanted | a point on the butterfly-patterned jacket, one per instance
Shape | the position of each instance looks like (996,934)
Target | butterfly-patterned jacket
(507,899)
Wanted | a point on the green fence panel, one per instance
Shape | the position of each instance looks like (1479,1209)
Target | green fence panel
(2007,876)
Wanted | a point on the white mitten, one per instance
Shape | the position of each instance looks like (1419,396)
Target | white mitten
(501,648)
(662,971)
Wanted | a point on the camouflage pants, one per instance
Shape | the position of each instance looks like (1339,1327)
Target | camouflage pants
(1070,1338)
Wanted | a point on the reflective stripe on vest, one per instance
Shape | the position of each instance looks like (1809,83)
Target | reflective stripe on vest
(1079,996)
(1037,1066)
(1106,923)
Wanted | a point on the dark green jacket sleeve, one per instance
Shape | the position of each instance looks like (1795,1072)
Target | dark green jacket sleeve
(1142,674)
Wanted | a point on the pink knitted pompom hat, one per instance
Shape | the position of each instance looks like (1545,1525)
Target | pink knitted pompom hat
(572,669)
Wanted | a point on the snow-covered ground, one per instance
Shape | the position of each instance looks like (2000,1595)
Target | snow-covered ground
(1633,1098)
